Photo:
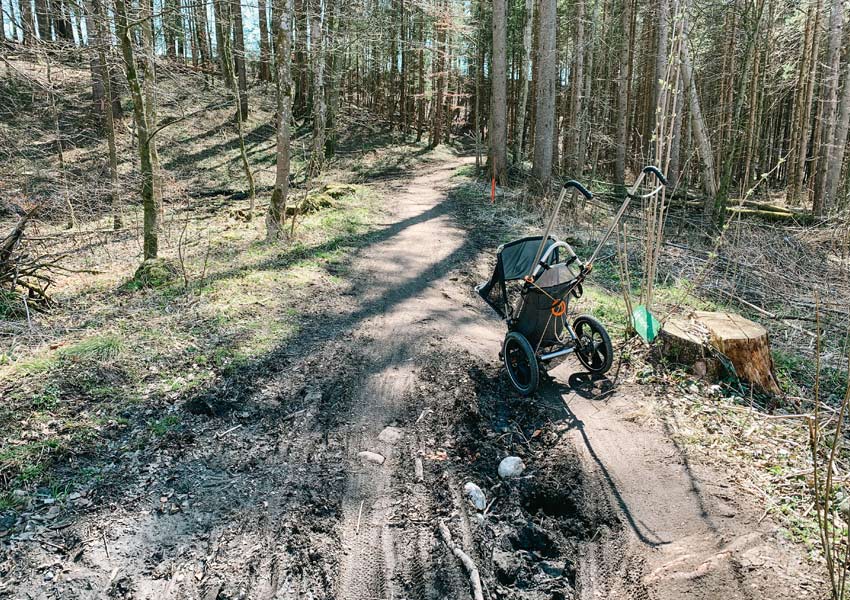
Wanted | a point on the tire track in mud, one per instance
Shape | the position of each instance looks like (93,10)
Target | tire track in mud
(387,552)
(388,519)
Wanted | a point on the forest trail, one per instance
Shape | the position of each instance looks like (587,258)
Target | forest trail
(686,531)
(263,492)
(407,276)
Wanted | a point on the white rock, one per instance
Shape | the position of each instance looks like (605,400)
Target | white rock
(511,466)
(475,495)
(372,457)
(418,470)
(390,435)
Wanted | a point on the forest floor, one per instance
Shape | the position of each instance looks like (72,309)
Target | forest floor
(231,467)
(201,438)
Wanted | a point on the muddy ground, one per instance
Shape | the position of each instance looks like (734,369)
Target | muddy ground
(262,490)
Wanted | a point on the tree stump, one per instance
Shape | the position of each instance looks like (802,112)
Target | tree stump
(689,341)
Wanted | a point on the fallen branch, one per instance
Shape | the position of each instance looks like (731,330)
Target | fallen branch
(469,565)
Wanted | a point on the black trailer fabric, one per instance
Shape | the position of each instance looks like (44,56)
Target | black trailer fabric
(535,320)
(494,291)
(518,255)
(513,263)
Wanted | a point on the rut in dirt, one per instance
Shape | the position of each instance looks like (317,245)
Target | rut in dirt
(262,491)
(528,545)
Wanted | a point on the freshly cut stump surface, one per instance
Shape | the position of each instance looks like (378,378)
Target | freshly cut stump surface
(685,340)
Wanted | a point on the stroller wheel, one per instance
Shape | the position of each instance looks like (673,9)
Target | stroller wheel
(521,363)
(593,348)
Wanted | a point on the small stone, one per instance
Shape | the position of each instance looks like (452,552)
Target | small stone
(551,569)
(511,466)
(390,435)
(372,457)
(693,388)
(475,495)
(48,576)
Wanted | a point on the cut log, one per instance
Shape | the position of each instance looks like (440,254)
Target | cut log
(695,340)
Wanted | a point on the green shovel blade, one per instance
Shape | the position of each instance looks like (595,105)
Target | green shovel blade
(646,325)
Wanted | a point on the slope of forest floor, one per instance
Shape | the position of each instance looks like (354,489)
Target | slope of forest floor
(200,438)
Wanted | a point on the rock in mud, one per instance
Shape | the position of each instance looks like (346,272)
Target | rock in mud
(511,466)
(371,457)
(475,495)
(551,568)
(390,435)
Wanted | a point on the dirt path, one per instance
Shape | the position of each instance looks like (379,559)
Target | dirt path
(407,275)
(685,532)
(269,497)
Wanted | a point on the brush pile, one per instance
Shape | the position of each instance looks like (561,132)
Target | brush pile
(25,273)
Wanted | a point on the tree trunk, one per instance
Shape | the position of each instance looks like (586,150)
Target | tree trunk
(743,342)
(239,57)
(148,38)
(221,9)
(438,70)
(99,33)
(95,43)
(524,75)
(544,120)
(623,82)
(420,100)
(839,142)
(203,41)
(402,85)
(170,23)
(230,63)
(334,61)
(498,95)
(62,20)
(573,163)
(673,165)
(829,113)
(27,23)
(661,50)
(42,14)
(317,157)
(806,117)
(700,131)
(151,214)
(283,41)
(263,72)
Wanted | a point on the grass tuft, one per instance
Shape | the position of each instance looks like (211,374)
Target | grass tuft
(99,347)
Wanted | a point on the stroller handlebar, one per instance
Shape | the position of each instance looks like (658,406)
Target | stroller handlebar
(657,172)
(572,183)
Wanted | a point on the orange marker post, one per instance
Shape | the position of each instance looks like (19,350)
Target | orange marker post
(493,191)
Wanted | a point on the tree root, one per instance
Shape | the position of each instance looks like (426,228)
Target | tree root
(468,563)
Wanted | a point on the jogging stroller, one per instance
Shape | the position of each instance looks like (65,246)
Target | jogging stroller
(550,272)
